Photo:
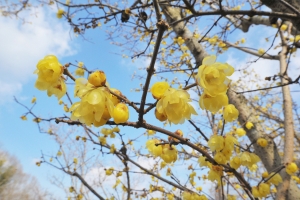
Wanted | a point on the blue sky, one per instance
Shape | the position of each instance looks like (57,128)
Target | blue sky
(24,44)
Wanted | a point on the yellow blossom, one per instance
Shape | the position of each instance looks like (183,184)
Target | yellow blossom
(297,38)
(283,27)
(291,168)
(213,104)
(121,113)
(159,88)
(60,13)
(152,148)
(179,40)
(276,179)
(49,72)
(240,132)
(212,76)
(243,40)
(75,161)
(33,100)
(169,154)
(79,71)
(235,162)
(109,171)
(262,142)
(261,51)
(23,117)
(249,125)
(230,113)
(174,104)
(97,78)
(216,143)
(151,132)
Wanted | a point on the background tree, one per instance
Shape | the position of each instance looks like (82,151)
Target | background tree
(175,36)
(15,184)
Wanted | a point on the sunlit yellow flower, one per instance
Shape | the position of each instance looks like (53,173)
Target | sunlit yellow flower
(60,13)
(121,113)
(261,51)
(159,89)
(49,72)
(283,27)
(213,104)
(235,162)
(276,179)
(249,125)
(212,76)
(240,132)
(23,117)
(262,142)
(291,168)
(109,171)
(79,71)
(174,104)
(169,153)
(153,149)
(216,143)
(97,78)
(230,113)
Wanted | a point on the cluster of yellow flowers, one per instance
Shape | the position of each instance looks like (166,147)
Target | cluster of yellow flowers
(263,189)
(97,104)
(193,196)
(212,77)
(50,76)
(166,151)
(173,104)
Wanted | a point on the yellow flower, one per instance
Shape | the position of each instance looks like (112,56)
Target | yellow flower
(80,64)
(153,149)
(102,140)
(114,98)
(23,117)
(249,159)
(276,179)
(169,154)
(49,72)
(264,189)
(112,148)
(215,173)
(95,106)
(60,13)
(213,104)
(212,76)
(33,100)
(160,116)
(97,78)
(262,142)
(59,153)
(179,40)
(109,171)
(243,40)
(216,143)
(121,113)
(265,174)
(283,27)
(159,88)
(249,125)
(75,161)
(151,132)
(297,38)
(79,71)
(235,162)
(240,132)
(291,168)
(230,113)
(261,51)
(220,158)
(174,104)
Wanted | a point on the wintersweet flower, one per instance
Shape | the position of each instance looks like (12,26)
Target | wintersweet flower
(230,113)
(276,179)
(152,148)
(60,13)
(121,113)
(248,159)
(159,88)
(216,143)
(95,106)
(212,76)
(50,78)
(213,104)
(215,173)
(79,71)
(249,125)
(240,132)
(169,154)
(235,162)
(97,78)
(174,104)
(262,142)
(160,116)
(283,27)
(291,168)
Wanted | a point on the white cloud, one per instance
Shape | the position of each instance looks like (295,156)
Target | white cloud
(22,45)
